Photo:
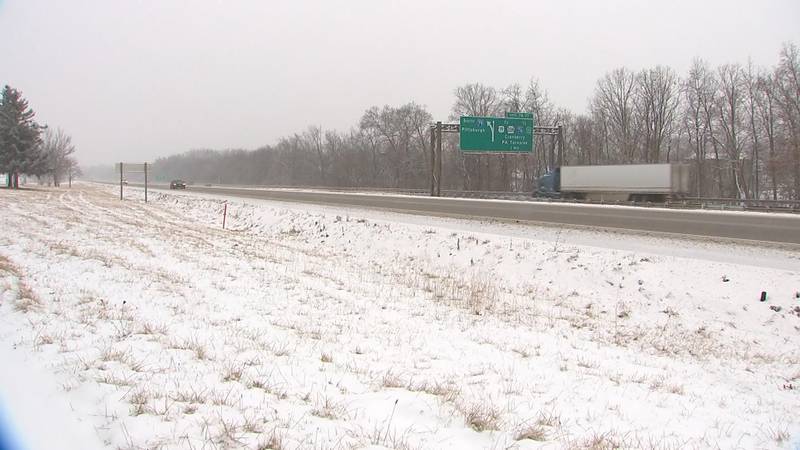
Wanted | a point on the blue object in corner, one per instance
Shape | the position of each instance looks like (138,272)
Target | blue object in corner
(9,438)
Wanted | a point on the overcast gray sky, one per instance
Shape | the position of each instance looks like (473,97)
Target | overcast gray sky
(135,80)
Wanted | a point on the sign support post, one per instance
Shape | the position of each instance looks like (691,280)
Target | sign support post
(438,159)
(433,162)
(132,168)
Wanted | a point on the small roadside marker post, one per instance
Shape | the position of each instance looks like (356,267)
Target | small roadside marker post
(224,214)
(120,181)
(145,182)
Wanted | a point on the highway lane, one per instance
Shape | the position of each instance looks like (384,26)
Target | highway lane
(777,228)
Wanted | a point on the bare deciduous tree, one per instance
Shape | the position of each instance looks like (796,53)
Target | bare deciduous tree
(729,110)
(787,89)
(697,87)
(614,103)
(752,99)
(656,105)
(57,149)
(766,113)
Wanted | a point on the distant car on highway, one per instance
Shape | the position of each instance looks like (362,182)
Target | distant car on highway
(177,184)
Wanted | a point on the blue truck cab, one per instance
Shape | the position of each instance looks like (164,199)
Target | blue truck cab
(549,184)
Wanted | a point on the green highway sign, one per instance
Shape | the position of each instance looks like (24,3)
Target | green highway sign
(520,115)
(496,134)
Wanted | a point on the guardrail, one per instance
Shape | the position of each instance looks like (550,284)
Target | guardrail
(707,203)
(739,204)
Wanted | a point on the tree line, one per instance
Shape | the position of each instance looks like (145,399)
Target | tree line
(28,148)
(738,125)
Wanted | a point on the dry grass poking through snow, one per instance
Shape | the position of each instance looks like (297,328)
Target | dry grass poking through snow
(26,298)
(303,328)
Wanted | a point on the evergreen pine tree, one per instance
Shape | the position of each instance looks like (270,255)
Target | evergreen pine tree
(20,143)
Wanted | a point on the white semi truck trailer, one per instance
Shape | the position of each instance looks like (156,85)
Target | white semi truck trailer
(631,182)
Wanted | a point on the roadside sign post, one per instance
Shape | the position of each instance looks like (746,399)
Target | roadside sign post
(433,159)
(132,168)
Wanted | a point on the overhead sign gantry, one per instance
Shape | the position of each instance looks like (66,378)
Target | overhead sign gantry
(490,135)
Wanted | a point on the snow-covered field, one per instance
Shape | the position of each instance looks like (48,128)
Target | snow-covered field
(133,325)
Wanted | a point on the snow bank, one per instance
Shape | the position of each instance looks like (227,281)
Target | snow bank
(320,327)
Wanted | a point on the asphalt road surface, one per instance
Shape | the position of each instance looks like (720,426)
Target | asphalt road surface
(778,228)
